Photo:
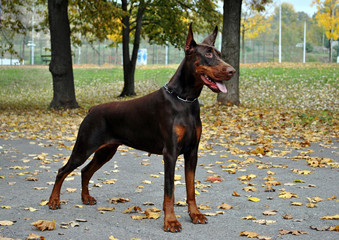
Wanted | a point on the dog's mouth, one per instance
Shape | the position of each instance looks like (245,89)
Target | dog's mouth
(215,86)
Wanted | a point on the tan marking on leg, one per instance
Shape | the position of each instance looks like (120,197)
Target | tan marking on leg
(180,131)
(198,131)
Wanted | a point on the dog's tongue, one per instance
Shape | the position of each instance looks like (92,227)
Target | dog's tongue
(221,86)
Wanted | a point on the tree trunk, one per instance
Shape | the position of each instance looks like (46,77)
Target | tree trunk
(129,63)
(329,52)
(61,63)
(230,49)
(243,44)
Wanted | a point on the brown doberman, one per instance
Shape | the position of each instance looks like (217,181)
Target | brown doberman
(164,122)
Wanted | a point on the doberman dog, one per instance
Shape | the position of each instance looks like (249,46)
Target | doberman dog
(164,122)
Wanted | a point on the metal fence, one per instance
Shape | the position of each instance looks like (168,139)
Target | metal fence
(103,53)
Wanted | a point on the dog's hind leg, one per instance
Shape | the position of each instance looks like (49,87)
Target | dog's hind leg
(101,157)
(89,140)
(74,161)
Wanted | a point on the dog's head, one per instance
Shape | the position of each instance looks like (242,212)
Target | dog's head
(209,67)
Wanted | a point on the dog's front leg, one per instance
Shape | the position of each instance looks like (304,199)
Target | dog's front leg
(191,159)
(170,221)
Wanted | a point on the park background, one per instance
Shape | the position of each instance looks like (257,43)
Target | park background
(260,32)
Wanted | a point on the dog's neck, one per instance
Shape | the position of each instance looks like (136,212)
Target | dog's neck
(184,83)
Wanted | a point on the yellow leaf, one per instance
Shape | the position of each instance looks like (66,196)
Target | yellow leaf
(225,206)
(44,203)
(335,217)
(296,203)
(196,192)
(250,189)
(147,182)
(249,234)
(153,213)
(287,195)
(249,217)
(110,181)
(71,190)
(132,209)
(138,217)
(112,238)
(6,223)
(43,225)
(6,207)
(78,206)
(254,199)
(34,236)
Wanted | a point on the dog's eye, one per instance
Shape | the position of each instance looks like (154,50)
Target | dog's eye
(209,55)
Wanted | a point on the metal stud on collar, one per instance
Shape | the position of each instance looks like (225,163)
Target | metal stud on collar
(178,97)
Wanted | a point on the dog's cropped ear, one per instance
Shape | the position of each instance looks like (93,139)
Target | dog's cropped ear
(210,40)
(190,43)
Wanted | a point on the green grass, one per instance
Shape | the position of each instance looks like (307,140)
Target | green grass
(287,86)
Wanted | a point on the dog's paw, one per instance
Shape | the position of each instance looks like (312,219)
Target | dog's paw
(198,218)
(172,226)
(89,200)
(54,204)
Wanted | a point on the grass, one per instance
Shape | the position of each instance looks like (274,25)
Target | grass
(277,100)
(311,87)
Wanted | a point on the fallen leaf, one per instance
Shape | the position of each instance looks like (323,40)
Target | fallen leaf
(225,206)
(6,223)
(288,216)
(133,209)
(299,181)
(249,234)
(254,199)
(214,179)
(235,194)
(81,220)
(40,188)
(270,212)
(71,190)
(153,213)
(263,237)
(44,203)
(34,179)
(116,200)
(293,232)
(147,182)
(264,221)
(211,214)
(181,203)
(78,206)
(31,209)
(138,217)
(287,195)
(247,177)
(33,236)
(43,225)
(203,207)
(177,177)
(323,228)
(106,208)
(250,189)
(296,203)
(112,238)
(110,181)
(249,217)
(335,217)
(6,207)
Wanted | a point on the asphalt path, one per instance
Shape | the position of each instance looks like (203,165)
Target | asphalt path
(28,169)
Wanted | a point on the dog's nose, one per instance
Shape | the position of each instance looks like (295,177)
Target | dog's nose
(230,71)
